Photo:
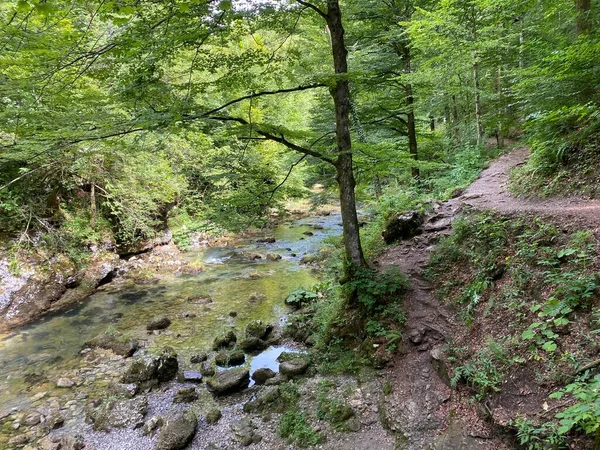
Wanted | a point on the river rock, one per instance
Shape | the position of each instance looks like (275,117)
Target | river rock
(72,442)
(120,414)
(152,425)
(228,381)
(49,443)
(129,390)
(159,323)
(178,432)
(32,419)
(293,367)
(163,367)
(229,359)
(269,401)
(403,226)
(207,369)
(200,299)
(192,376)
(260,376)
(257,329)
(244,432)
(252,344)
(114,342)
(225,341)
(198,358)
(276,380)
(21,439)
(65,383)
(273,257)
(213,416)
(53,420)
(185,395)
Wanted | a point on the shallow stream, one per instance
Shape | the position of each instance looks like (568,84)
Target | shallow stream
(200,306)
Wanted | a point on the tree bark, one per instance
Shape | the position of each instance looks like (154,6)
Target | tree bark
(583,24)
(413,146)
(455,119)
(345,171)
(93,206)
(499,127)
(478,119)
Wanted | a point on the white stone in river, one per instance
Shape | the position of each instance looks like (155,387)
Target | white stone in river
(64,383)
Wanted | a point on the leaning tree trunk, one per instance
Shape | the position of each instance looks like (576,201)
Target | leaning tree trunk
(345,173)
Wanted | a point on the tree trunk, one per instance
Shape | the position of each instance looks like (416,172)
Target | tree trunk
(377,185)
(501,109)
(478,119)
(345,174)
(583,24)
(413,147)
(93,206)
(455,128)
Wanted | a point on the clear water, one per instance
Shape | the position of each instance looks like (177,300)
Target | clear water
(32,358)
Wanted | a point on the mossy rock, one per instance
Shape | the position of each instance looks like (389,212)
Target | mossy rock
(115,342)
(229,359)
(258,329)
(226,340)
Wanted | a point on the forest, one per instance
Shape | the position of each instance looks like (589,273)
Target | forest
(127,126)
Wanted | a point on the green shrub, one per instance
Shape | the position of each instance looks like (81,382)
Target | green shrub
(295,429)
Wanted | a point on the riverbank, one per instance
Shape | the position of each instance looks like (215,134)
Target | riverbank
(236,285)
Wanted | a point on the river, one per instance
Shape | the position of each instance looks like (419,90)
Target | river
(241,290)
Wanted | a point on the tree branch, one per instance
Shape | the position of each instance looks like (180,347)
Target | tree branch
(280,139)
(254,95)
(276,188)
(314,8)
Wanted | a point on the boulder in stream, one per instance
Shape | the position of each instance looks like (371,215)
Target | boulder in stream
(115,342)
(229,359)
(260,376)
(178,432)
(158,323)
(229,381)
(258,329)
(293,367)
(225,340)
(252,344)
(148,367)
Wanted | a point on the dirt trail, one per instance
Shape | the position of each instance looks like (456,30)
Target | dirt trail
(422,411)
(490,191)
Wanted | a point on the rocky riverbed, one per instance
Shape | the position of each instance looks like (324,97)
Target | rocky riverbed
(172,357)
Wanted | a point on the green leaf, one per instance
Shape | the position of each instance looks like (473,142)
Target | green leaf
(528,334)
(550,346)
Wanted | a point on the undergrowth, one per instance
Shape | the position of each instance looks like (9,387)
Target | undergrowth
(532,289)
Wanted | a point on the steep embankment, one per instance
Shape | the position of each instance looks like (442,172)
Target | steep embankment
(423,409)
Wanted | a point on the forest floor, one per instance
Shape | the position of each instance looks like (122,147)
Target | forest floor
(422,410)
